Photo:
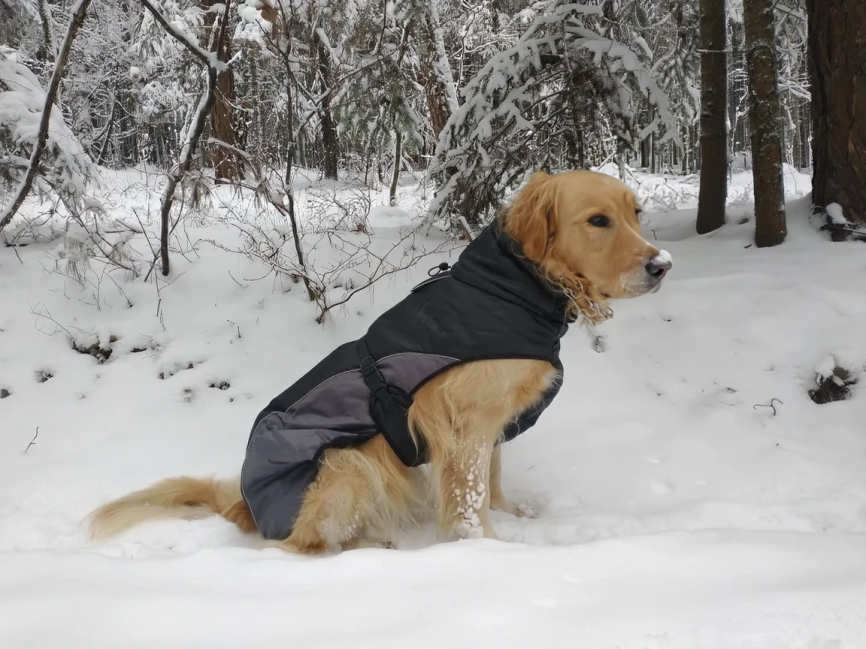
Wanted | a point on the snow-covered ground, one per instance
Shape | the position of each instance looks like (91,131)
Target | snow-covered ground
(677,508)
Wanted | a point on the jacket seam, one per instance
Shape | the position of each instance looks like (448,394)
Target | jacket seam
(485,357)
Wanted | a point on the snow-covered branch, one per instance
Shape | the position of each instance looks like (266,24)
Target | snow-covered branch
(193,132)
(180,35)
(525,93)
(79,11)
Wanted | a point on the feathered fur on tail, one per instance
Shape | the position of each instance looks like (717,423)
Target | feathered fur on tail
(182,497)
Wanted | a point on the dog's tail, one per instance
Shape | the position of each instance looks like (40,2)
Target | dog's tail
(182,497)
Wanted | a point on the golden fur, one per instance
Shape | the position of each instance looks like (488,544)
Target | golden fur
(362,495)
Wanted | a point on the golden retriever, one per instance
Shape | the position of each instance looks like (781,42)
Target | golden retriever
(581,230)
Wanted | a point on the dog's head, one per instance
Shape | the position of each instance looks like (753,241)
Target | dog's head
(581,228)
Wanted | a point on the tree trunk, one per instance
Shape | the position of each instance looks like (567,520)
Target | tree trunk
(291,153)
(195,127)
(106,139)
(398,158)
(766,124)
(289,209)
(47,36)
(805,136)
(714,104)
(796,143)
(436,75)
(787,124)
(330,146)
(222,120)
(79,11)
(837,70)
(222,159)
(652,149)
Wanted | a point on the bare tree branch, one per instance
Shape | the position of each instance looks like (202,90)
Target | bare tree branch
(196,127)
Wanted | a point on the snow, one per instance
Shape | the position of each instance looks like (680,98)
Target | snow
(676,509)
(836,213)
(825,368)
(664,256)
(22,100)
(507,86)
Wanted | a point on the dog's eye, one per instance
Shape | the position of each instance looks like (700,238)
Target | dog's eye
(599,221)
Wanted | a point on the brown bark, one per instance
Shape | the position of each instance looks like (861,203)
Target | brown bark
(714,104)
(196,128)
(436,104)
(794,124)
(437,94)
(75,23)
(395,178)
(766,124)
(837,70)
(47,39)
(223,159)
(330,145)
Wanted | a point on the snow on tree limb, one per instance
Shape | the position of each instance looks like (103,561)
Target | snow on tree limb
(622,57)
(181,36)
(193,133)
(78,12)
(485,147)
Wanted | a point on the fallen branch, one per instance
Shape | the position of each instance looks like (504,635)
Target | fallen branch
(32,441)
(769,405)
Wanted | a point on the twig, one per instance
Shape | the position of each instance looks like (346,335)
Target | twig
(15,249)
(466,227)
(236,281)
(377,274)
(122,292)
(50,318)
(32,441)
(769,405)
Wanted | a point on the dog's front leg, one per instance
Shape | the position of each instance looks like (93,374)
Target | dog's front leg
(498,501)
(464,490)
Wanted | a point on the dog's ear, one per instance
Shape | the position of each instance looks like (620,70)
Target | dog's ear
(531,219)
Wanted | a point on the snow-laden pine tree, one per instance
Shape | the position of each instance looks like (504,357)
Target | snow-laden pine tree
(65,167)
(519,109)
(32,124)
(381,105)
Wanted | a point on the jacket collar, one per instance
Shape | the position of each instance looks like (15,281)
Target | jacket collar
(494,263)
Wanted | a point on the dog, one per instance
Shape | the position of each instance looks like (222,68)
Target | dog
(576,238)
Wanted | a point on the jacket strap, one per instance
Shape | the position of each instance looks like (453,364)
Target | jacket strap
(389,409)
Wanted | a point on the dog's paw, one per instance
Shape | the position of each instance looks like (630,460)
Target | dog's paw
(521,510)
(367,543)
(525,510)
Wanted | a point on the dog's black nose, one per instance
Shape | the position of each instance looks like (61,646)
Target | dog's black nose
(658,266)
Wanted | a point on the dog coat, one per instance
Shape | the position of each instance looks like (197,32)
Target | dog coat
(490,305)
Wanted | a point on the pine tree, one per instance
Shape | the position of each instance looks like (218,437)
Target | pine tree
(765,121)
(837,67)
(714,132)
